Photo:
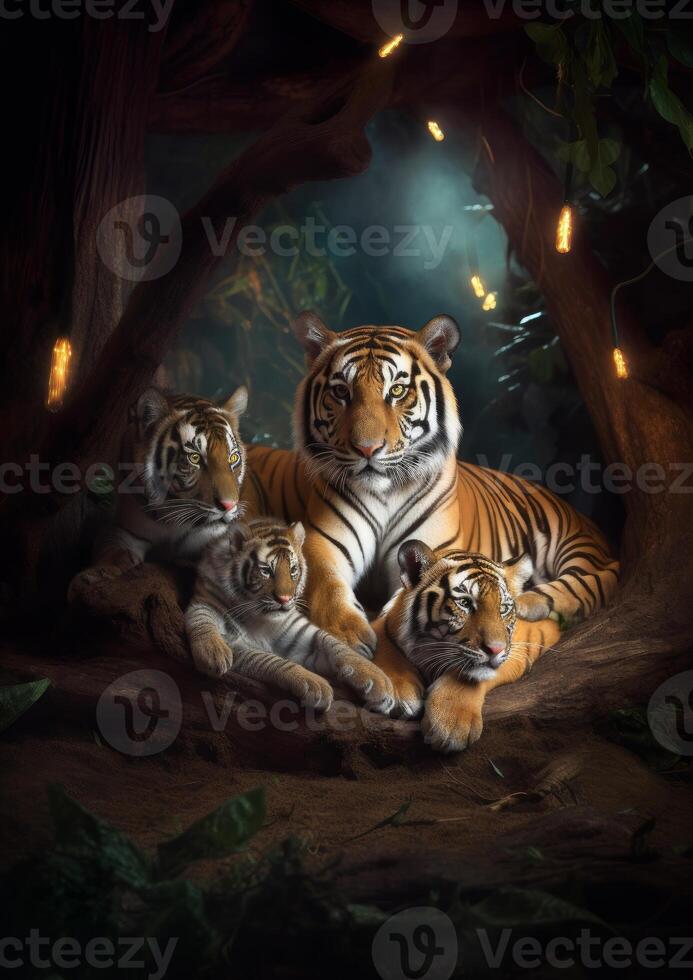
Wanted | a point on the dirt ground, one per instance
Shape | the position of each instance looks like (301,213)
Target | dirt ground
(596,804)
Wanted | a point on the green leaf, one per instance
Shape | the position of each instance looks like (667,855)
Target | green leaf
(550,41)
(602,176)
(222,832)
(510,907)
(577,154)
(80,833)
(394,820)
(680,44)
(584,110)
(15,700)
(668,104)
(599,58)
(541,365)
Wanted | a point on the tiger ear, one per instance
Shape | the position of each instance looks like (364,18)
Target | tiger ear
(518,571)
(299,532)
(236,403)
(151,407)
(440,337)
(414,558)
(312,334)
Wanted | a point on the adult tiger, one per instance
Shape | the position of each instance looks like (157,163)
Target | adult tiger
(189,462)
(377,428)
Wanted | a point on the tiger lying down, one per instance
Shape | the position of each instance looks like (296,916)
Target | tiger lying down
(486,560)
(245,613)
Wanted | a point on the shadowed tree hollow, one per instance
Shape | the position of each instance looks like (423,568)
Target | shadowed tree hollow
(101,86)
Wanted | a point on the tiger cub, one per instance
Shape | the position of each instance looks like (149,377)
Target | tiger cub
(246,614)
(454,619)
(188,464)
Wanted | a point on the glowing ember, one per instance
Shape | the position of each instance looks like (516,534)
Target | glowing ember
(620,363)
(478,287)
(435,131)
(564,231)
(388,48)
(489,302)
(59,376)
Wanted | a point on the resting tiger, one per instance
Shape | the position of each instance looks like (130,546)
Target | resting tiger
(454,620)
(245,615)
(376,428)
(189,462)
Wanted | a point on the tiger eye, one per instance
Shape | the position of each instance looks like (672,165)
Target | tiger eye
(234,458)
(396,391)
(194,458)
(340,391)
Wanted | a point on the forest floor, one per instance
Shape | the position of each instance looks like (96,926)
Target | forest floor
(603,806)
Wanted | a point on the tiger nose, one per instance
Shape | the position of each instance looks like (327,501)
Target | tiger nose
(228,504)
(284,600)
(367,449)
(495,652)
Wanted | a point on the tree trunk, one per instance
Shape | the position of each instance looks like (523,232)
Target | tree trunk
(647,418)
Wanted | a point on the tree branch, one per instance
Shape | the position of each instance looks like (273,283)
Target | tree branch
(320,141)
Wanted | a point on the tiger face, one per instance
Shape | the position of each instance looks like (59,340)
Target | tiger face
(457,612)
(266,570)
(376,408)
(192,457)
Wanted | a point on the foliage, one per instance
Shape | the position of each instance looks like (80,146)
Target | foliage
(584,53)
(250,311)
(266,913)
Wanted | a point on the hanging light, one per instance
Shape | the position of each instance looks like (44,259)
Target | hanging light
(564,230)
(435,131)
(59,376)
(391,46)
(478,286)
(620,364)
(489,302)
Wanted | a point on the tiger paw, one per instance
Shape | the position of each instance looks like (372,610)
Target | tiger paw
(316,692)
(532,606)
(85,581)
(452,720)
(345,624)
(367,681)
(409,693)
(212,656)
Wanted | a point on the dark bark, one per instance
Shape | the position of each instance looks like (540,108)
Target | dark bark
(645,419)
